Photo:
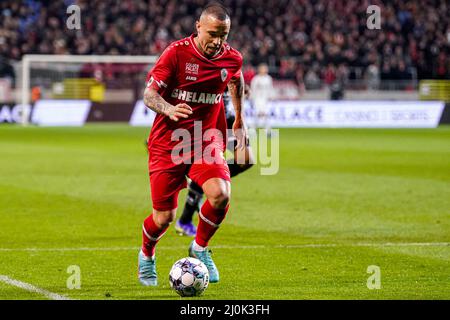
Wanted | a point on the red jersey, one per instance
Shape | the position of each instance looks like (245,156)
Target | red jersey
(183,74)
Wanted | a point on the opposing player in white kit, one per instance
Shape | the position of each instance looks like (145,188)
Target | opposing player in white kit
(261,92)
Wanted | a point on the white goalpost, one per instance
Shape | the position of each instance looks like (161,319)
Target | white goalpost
(57,68)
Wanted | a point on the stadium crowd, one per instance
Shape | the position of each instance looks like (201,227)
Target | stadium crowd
(310,41)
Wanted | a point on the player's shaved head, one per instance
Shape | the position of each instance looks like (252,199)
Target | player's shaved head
(212,29)
(215,10)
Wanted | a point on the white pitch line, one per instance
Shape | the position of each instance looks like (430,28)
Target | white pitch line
(280,246)
(31,288)
(386,244)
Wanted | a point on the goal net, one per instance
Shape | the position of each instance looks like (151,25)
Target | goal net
(62,79)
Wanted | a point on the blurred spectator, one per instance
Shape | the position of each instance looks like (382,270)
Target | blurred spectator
(312,79)
(6,70)
(373,77)
(299,80)
(248,73)
(329,74)
(337,82)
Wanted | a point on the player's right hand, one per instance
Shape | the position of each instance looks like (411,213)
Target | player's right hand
(181,110)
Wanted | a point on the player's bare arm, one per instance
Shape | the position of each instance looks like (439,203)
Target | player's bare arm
(236,88)
(154,101)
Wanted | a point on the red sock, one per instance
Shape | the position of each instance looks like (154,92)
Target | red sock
(151,234)
(208,222)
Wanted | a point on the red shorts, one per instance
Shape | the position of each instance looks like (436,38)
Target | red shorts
(166,184)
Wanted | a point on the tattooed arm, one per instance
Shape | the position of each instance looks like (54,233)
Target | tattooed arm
(154,101)
(236,89)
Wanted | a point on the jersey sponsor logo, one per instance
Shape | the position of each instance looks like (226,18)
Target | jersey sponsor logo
(223,74)
(191,68)
(191,78)
(196,97)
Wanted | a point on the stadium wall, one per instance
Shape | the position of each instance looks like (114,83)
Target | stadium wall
(328,114)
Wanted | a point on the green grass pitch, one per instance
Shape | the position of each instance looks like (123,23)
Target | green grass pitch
(343,199)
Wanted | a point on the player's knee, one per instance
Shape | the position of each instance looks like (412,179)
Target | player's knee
(164,218)
(217,192)
(219,198)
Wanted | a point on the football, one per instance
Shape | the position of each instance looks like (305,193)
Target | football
(189,277)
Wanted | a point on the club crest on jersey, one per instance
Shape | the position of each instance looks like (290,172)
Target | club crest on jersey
(223,74)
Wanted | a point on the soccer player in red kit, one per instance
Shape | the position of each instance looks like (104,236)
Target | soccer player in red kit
(185,88)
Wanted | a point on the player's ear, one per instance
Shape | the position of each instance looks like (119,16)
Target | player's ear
(197,26)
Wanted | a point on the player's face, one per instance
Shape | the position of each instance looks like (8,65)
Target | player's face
(212,33)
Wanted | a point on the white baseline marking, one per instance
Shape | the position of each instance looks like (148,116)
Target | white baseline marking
(31,288)
(280,246)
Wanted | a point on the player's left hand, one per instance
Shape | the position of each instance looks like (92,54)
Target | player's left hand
(240,132)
